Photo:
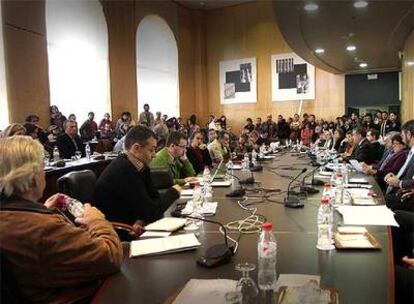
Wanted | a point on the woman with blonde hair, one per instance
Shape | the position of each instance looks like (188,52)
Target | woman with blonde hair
(14,129)
(52,259)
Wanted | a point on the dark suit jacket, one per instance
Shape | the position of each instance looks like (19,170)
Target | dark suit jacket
(407,176)
(378,150)
(363,152)
(66,147)
(126,195)
(393,165)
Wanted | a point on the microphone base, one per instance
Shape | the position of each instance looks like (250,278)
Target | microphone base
(292,202)
(215,256)
(318,182)
(247,181)
(309,190)
(236,193)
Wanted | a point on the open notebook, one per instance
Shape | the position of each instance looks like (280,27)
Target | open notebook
(166,224)
(169,244)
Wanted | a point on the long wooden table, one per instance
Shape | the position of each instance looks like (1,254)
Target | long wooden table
(361,276)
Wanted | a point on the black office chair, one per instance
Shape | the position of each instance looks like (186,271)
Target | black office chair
(81,185)
(10,291)
(162,179)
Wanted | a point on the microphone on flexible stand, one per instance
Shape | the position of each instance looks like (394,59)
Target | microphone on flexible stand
(240,192)
(304,188)
(217,254)
(293,201)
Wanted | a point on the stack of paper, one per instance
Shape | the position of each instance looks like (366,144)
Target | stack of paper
(354,240)
(169,244)
(166,224)
(205,291)
(367,215)
(206,209)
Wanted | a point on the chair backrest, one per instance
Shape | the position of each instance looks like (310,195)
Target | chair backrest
(162,178)
(9,290)
(78,184)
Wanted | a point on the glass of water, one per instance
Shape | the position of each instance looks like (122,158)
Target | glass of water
(78,155)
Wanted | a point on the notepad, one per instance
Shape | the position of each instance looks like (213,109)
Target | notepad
(154,234)
(367,215)
(165,245)
(206,209)
(351,230)
(166,224)
(187,192)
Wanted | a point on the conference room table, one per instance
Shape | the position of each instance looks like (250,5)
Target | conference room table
(360,276)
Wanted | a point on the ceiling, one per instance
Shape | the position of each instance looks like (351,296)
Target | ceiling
(210,4)
(378,31)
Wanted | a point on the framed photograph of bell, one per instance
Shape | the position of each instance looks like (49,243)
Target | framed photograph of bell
(238,81)
(292,78)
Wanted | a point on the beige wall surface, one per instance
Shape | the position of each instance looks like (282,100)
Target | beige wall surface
(407,106)
(250,30)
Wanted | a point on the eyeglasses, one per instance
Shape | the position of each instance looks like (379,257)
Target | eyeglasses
(182,147)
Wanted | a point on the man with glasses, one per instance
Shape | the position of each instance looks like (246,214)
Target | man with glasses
(125,191)
(174,158)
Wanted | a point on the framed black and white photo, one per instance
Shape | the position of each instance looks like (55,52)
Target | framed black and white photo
(238,82)
(292,78)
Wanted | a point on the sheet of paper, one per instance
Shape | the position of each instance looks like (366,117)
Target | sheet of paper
(293,280)
(205,291)
(358,180)
(354,240)
(356,165)
(187,192)
(207,208)
(164,245)
(219,183)
(325,173)
(166,224)
(154,234)
(367,215)
(236,167)
(351,229)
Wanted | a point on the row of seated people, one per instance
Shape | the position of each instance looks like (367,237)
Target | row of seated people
(124,192)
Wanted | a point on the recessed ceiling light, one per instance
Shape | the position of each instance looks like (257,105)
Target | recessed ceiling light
(311,7)
(363,65)
(410,63)
(360,4)
(319,51)
(351,48)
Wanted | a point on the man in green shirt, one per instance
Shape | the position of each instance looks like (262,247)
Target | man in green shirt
(173,157)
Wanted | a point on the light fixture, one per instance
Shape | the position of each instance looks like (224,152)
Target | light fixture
(319,51)
(363,65)
(410,63)
(351,48)
(360,4)
(310,7)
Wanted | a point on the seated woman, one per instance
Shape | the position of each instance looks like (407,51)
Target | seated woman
(338,144)
(14,129)
(349,144)
(52,260)
(393,162)
(306,135)
(197,153)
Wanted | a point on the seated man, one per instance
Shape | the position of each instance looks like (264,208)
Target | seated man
(404,179)
(69,142)
(174,158)
(220,149)
(52,260)
(125,191)
(363,151)
(377,148)
(197,153)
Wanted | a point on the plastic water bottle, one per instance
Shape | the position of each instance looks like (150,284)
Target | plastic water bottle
(339,189)
(345,173)
(325,224)
(74,206)
(88,151)
(267,253)
(254,157)
(245,163)
(229,171)
(56,155)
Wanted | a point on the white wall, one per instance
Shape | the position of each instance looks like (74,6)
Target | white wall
(4,113)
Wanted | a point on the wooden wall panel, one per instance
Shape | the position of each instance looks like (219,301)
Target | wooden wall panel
(407,106)
(250,30)
(25,51)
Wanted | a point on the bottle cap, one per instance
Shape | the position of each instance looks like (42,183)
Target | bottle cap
(339,175)
(327,184)
(267,226)
(324,200)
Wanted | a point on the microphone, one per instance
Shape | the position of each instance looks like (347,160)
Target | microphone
(306,189)
(215,255)
(293,201)
(241,191)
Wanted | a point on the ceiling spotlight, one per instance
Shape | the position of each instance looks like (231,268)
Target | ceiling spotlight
(410,63)
(351,48)
(311,7)
(319,51)
(363,65)
(360,4)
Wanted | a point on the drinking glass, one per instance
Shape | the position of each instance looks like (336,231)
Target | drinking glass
(246,285)
(78,155)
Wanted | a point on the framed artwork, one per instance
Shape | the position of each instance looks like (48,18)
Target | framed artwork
(292,78)
(238,81)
